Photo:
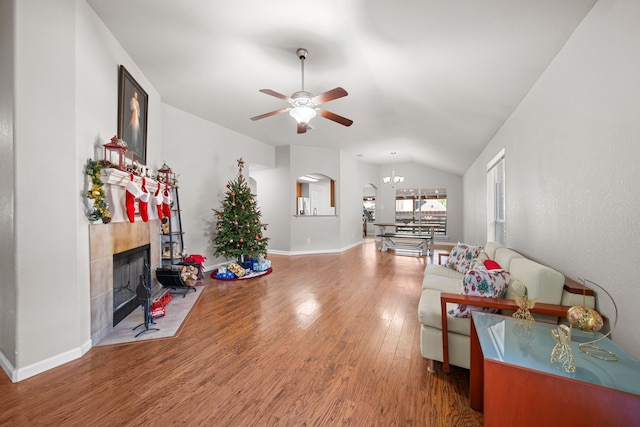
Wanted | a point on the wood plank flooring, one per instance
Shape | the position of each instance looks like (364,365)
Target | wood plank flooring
(325,340)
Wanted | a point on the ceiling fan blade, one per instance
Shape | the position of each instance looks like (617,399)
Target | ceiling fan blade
(329,95)
(272,113)
(276,94)
(336,118)
(302,127)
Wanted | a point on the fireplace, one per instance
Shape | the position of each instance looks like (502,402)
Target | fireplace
(107,241)
(129,269)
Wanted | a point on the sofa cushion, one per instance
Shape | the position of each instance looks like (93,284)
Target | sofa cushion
(490,249)
(429,313)
(452,285)
(483,283)
(504,256)
(542,282)
(515,288)
(460,257)
(441,270)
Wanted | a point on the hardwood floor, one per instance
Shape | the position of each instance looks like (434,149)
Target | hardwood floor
(324,340)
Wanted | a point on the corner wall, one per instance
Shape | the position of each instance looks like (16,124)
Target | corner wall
(8,302)
(571,164)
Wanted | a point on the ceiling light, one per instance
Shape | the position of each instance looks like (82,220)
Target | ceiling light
(302,114)
(393,179)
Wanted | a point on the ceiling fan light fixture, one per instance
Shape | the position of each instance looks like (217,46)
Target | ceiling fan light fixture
(302,114)
(304,106)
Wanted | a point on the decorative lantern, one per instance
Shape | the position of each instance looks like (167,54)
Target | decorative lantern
(116,153)
(166,175)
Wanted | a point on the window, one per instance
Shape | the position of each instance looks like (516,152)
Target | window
(496,224)
(422,206)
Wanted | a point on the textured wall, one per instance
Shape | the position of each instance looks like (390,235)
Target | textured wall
(571,163)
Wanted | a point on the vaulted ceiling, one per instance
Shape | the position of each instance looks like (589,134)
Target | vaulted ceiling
(432,80)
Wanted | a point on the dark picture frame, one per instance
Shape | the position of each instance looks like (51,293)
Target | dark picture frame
(133,103)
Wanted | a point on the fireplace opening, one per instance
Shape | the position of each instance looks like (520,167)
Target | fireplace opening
(129,268)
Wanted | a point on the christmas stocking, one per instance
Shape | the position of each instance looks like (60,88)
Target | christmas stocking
(166,202)
(132,193)
(157,197)
(144,201)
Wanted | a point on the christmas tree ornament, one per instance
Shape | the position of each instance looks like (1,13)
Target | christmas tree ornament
(133,191)
(144,201)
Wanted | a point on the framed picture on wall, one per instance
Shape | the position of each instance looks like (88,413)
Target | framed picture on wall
(133,102)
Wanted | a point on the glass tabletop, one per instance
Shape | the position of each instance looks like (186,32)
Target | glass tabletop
(503,340)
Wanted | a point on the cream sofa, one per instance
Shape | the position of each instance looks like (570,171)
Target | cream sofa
(526,277)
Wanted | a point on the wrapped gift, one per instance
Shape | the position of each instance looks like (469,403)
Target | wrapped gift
(261,265)
(236,269)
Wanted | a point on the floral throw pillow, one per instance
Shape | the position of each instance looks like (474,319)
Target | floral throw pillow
(484,283)
(461,256)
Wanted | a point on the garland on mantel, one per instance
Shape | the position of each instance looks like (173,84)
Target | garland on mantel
(100,210)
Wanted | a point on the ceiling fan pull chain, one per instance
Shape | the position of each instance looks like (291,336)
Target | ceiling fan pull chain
(302,70)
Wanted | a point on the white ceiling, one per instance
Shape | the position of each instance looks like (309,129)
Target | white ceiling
(432,80)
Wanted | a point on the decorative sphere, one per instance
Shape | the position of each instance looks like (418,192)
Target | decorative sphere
(584,318)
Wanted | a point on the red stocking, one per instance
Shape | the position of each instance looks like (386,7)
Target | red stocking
(157,197)
(144,201)
(166,202)
(132,193)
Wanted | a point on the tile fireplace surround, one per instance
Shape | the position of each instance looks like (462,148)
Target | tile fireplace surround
(105,240)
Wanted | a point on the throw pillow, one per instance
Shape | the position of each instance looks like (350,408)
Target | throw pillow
(484,283)
(492,265)
(461,255)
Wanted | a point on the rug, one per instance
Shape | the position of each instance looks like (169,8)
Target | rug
(176,312)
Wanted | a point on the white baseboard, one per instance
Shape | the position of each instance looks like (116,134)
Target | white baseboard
(7,367)
(44,365)
(290,253)
(316,251)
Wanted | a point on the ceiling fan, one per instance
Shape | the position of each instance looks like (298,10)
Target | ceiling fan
(304,106)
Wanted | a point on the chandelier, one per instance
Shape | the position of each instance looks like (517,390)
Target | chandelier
(393,179)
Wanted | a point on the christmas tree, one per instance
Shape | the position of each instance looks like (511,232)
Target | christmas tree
(238,226)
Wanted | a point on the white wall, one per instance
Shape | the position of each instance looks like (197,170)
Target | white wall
(571,163)
(349,196)
(46,232)
(291,234)
(7,229)
(65,108)
(313,233)
(205,157)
